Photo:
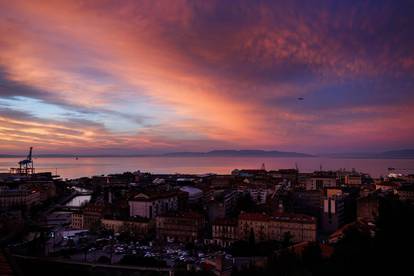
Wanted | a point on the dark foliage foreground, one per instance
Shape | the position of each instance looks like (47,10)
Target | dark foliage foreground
(388,251)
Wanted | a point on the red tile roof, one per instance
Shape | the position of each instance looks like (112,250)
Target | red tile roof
(293,217)
(254,216)
(190,214)
(225,221)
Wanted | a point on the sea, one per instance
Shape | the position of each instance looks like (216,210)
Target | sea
(71,168)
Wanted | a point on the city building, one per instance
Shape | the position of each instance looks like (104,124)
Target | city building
(335,191)
(195,195)
(92,214)
(367,208)
(249,172)
(253,224)
(224,232)
(11,221)
(181,227)
(219,181)
(258,193)
(301,228)
(291,175)
(308,202)
(77,220)
(218,265)
(151,205)
(406,193)
(321,180)
(140,227)
(275,227)
(88,217)
(409,178)
(221,203)
(333,215)
(115,180)
(387,186)
(216,210)
(20,197)
(354,180)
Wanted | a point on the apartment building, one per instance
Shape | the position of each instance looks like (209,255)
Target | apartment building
(151,205)
(21,197)
(321,180)
(182,227)
(275,227)
(224,232)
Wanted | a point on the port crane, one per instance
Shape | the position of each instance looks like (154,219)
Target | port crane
(25,165)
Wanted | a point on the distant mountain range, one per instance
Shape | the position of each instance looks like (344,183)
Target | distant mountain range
(239,153)
(393,154)
(214,153)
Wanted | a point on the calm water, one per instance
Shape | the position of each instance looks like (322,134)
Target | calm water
(71,168)
(79,201)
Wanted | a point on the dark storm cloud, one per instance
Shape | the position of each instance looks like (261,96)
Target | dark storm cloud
(10,88)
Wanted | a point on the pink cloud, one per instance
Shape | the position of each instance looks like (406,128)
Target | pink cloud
(215,85)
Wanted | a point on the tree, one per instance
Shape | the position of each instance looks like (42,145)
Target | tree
(246,203)
(287,239)
(70,243)
(104,260)
(241,249)
(96,226)
(394,240)
(312,257)
(85,254)
(284,262)
(252,239)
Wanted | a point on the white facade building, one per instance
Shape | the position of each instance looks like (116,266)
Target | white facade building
(194,194)
(317,183)
(152,205)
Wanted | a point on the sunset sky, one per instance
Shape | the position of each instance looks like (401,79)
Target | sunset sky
(161,76)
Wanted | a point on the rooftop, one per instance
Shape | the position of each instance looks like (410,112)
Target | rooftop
(293,217)
(150,196)
(225,221)
(254,216)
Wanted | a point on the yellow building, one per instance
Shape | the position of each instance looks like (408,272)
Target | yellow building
(224,231)
(265,227)
(256,223)
(140,227)
(77,221)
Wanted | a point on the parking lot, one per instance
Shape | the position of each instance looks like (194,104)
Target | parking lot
(111,250)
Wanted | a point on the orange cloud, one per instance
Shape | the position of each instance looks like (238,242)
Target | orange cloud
(196,79)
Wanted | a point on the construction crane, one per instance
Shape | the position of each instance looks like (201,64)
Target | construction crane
(26,165)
